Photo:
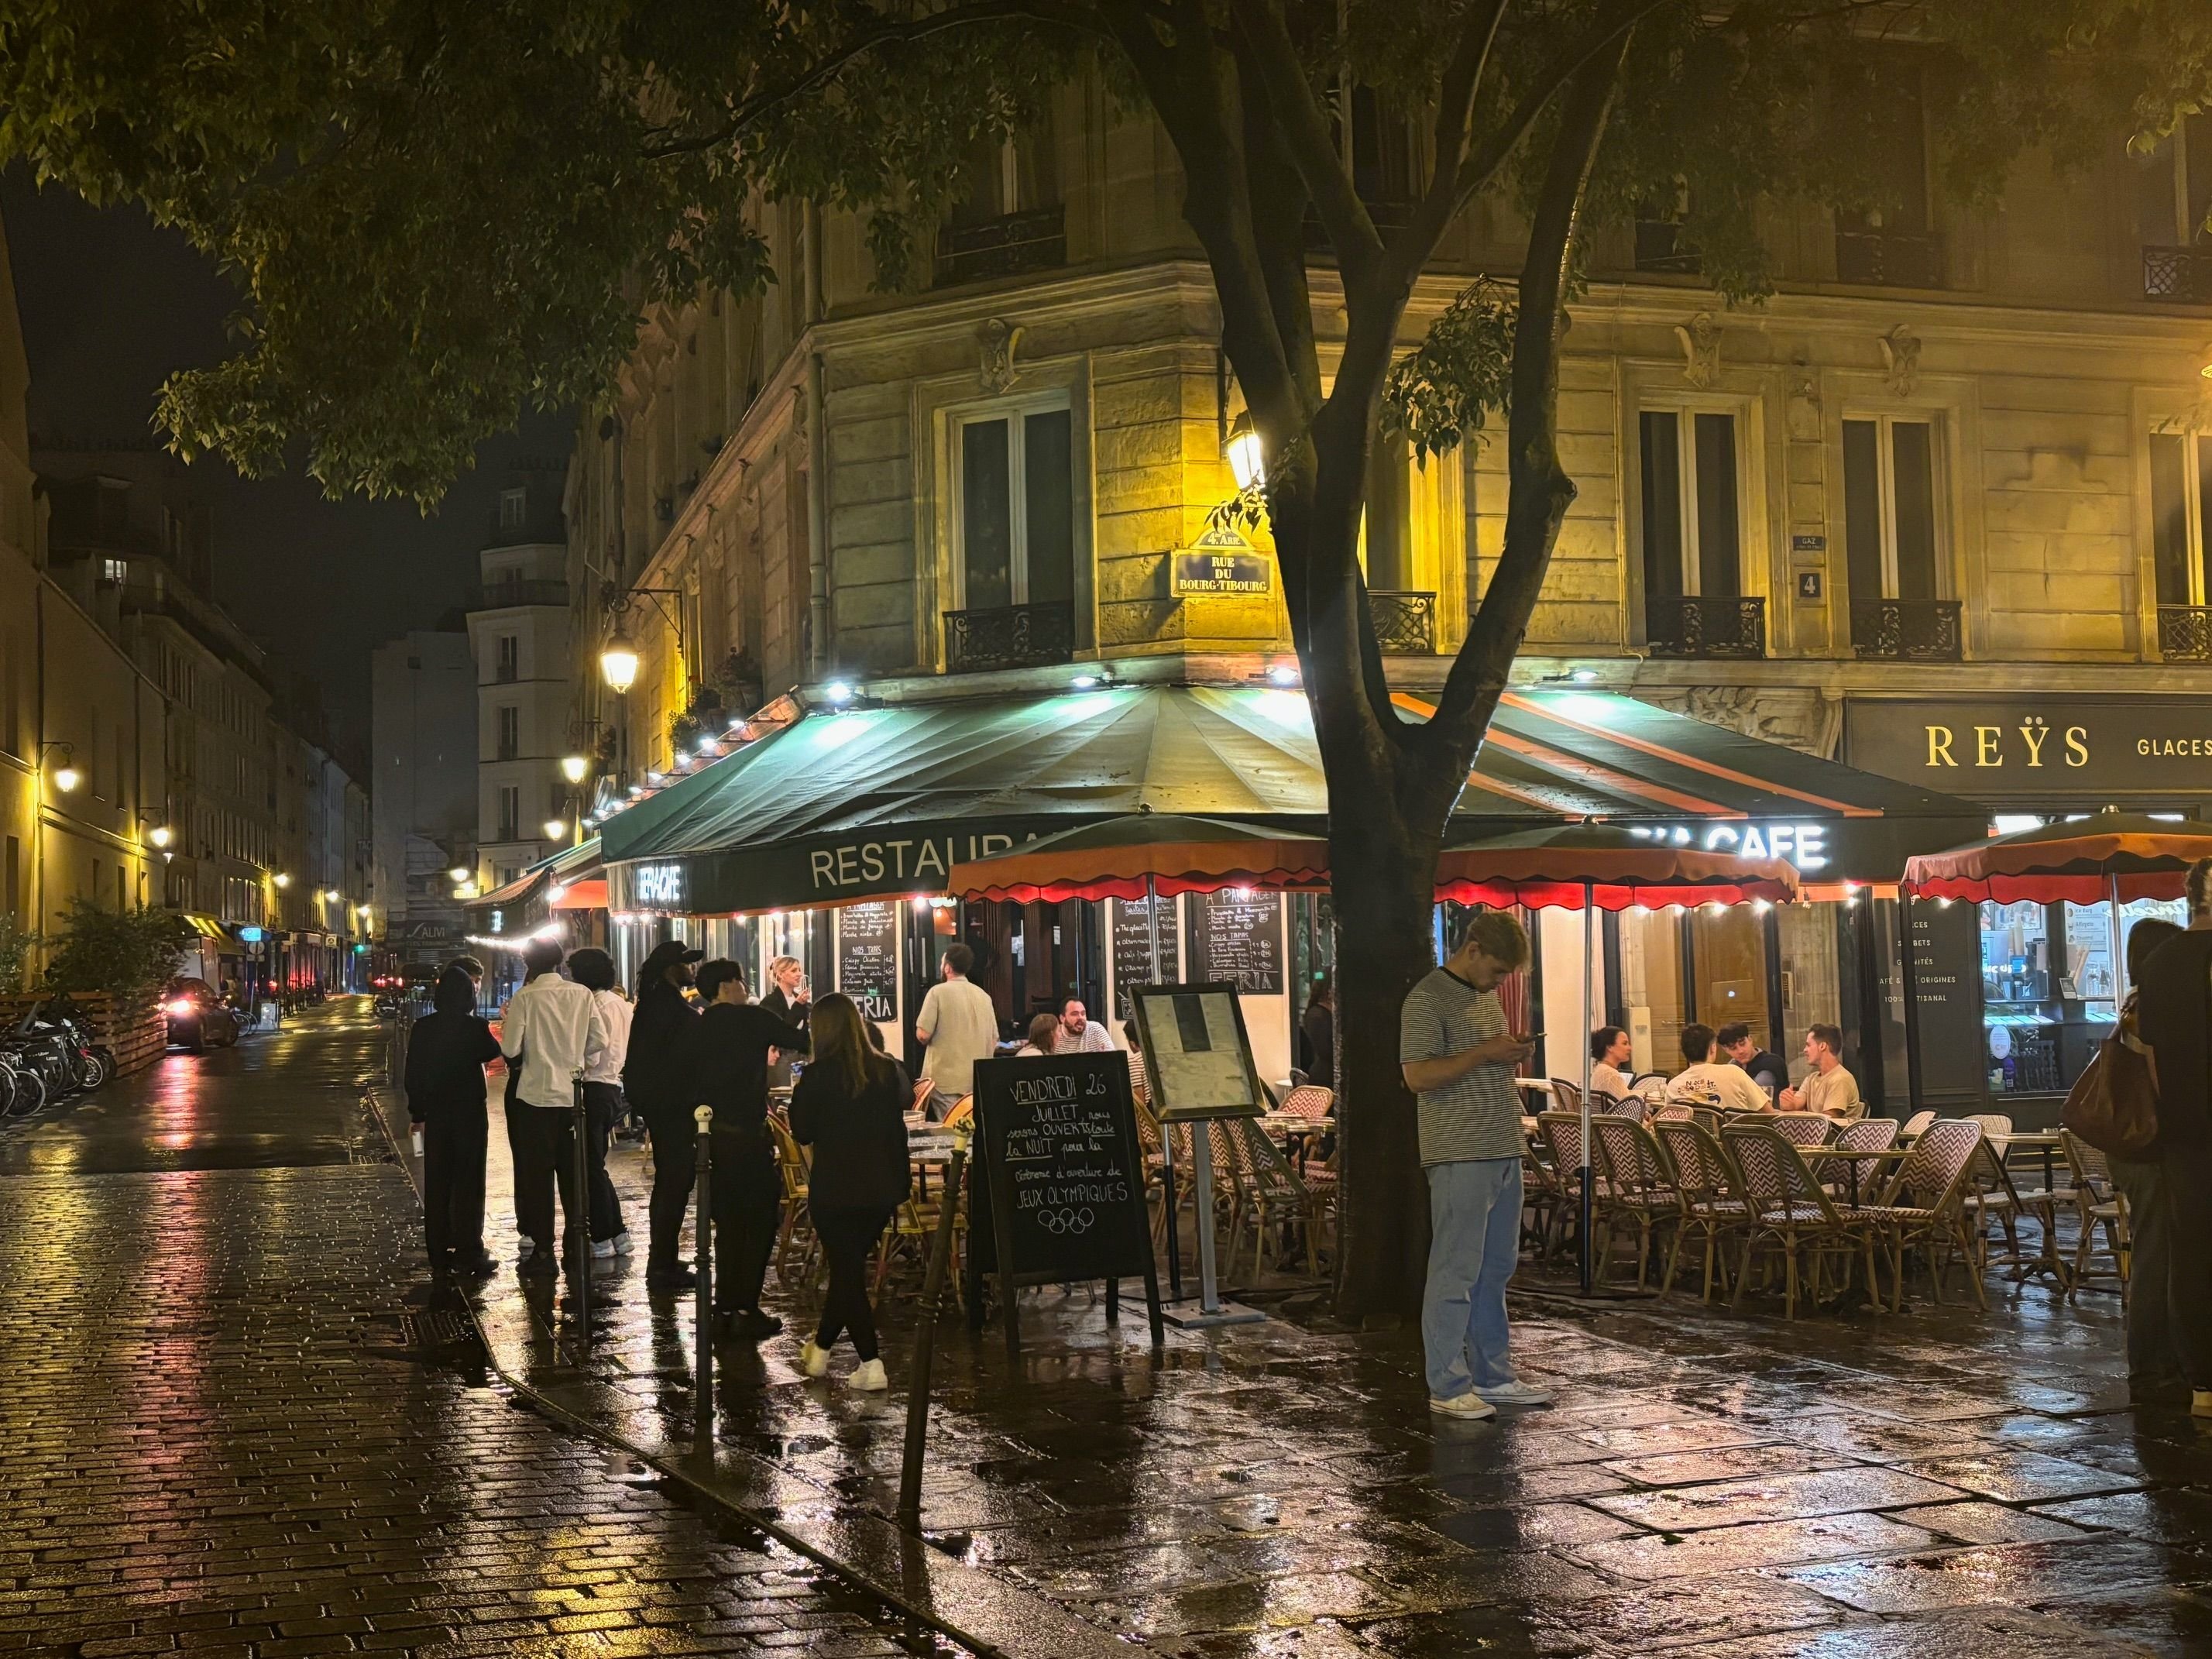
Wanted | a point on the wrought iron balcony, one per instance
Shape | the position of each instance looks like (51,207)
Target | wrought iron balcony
(2181,275)
(1010,636)
(1906,630)
(1696,625)
(519,591)
(2185,633)
(1035,239)
(1661,247)
(1889,258)
(1405,623)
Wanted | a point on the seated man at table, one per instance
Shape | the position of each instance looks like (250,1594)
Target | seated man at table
(1703,1082)
(1766,1068)
(1829,1087)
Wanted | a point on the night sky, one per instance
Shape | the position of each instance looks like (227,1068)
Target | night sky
(111,305)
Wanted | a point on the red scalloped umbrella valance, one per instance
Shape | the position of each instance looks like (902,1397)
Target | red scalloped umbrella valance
(2080,861)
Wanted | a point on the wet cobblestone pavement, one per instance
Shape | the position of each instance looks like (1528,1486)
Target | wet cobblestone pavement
(1946,1482)
(210,1446)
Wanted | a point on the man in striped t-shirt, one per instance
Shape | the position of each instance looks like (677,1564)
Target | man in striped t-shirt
(1459,1061)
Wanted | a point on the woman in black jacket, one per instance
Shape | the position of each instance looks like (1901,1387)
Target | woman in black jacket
(850,1106)
(448,1050)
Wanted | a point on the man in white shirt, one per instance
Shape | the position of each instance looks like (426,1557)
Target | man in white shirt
(1829,1088)
(1701,1082)
(1079,1034)
(548,1028)
(958,1024)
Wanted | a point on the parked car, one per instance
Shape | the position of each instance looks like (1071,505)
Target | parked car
(387,1004)
(199,1019)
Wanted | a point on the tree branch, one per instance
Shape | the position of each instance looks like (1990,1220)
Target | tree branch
(1305,132)
(1539,490)
(1454,124)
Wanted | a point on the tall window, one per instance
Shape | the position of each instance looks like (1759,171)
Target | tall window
(1692,529)
(510,813)
(1017,509)
(2173,185)
(1889,508)
(1890,240)
(510,657)
(2181,515)
(510,732)
(514,509)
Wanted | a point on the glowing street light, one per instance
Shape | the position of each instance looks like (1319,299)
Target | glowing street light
(1246,464)
(459,873)
(555,830)
(66,778)
(161,835)
(282,879)
(575,768)
(618,662)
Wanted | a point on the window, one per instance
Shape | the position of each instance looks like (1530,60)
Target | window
(1016,514)
(510,732)
(510,657)
(1660,243)
(1692,533)
(1889,508)
(1007,218)
(510,813)
(2181,514)
(1890,239)
(114,571)
(2173,185)
(514,509)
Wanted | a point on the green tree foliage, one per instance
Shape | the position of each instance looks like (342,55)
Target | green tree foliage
(17,943)
(441,211)
(127,953)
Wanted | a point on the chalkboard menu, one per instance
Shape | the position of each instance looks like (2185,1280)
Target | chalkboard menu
(867,958)
(1061,1196)
(1236,938)
(1132,948)
(1947,984)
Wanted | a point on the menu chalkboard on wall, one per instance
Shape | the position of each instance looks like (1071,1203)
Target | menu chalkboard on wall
(1132,948)
(1236,937)
(1062,1193)
(867,958)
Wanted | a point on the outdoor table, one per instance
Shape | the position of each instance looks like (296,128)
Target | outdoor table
(2032,1140)
(1997,1149)
(1885,1154)
(1542,1085)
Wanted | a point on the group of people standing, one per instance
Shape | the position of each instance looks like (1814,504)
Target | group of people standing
(664,1056)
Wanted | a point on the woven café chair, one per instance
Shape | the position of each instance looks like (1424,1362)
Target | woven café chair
(1936,1176)
(797,1226)
(1916,1126)
(1271,1194)
(1803,1130)
(1634,1108)
(1641,1188)
(922,1091)
(2096,1203)
(1710,1208)
(1545,1199)
(1789,1207)
(1869,1134)
(962,1109)
(1308,1100)
(1561,1137)
(1568,1098)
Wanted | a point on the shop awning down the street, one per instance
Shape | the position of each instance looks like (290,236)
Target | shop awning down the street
(871,800)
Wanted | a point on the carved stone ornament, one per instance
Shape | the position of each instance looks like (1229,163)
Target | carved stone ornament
(1900,359)
(1789,715)
(1700,339)
(1000,339)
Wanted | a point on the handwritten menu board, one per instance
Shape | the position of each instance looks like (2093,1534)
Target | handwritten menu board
(1132,948)
(1237,939)
(1062,1194)
(867,958)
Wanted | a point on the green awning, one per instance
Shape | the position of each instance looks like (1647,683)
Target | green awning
(850,804)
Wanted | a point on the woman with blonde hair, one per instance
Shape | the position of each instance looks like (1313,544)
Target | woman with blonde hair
(850,1107)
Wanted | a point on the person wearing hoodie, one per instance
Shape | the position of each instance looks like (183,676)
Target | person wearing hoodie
(656,1078)
(448,1050)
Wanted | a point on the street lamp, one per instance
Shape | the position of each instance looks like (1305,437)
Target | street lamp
(459,873)
(67,777)
(555,830)
(282,880)
(576,768)
(618,662)
(1246,464)
(161,835)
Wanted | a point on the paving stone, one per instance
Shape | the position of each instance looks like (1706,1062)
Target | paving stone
(1980,1634)
(1972,1523)
(2019,1477)
(1779,1498)
(2168,1515)
(1739,1549)
(2024,1575)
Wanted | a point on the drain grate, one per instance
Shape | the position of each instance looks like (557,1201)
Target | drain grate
(432,1335)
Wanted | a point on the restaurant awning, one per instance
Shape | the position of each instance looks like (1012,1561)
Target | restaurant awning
(848,804)
(581,896)
(206,926)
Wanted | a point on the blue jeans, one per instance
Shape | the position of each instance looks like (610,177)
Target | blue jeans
(1475,1244)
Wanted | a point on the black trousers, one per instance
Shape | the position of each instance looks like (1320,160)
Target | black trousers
(748,1193)
(547,1161)
(454,1146)
(847,1237)
(604,1101)
(2187,1177)
(675,1173)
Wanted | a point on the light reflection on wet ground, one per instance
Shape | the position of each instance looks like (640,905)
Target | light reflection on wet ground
(1943,1482)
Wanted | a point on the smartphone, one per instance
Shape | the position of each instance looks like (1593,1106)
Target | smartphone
(1531,1036)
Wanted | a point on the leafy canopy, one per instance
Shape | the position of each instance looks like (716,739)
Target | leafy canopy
(444,211)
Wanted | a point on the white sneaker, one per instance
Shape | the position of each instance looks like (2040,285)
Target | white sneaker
(814,1360)
(1515,1393)
(603,1249)
(869,1379)
(623,1246)
(1471,1406)
(523,1249)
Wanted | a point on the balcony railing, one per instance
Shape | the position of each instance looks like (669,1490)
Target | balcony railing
(1694,625)
(2185,633)
(500,596)
(1004,246)
(1906,630)
(1889,258)
(1010,636)
(1661,247)
(2181,275)
(1388,213)
(1405,623)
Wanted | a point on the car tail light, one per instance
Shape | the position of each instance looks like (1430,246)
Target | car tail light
(181,1006)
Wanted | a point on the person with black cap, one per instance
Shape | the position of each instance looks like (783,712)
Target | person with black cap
(656,1075)
(448,1050)
(731,1047)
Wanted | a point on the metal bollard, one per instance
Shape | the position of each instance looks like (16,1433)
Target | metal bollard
(925,1338)
(702,1312)
(579,1222)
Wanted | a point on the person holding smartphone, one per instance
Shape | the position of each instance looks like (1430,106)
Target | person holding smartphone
(1460,1060)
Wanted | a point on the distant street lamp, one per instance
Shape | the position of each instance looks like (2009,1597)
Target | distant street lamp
(282,880)
(618,663)
(555,830)
(66,778)
(576,768)
(459,873)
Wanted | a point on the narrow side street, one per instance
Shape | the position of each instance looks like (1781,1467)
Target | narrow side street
(208,1453)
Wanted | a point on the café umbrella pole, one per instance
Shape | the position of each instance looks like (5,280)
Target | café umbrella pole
(1167,1134)
(2119,960)
(1582,1227)
(702,1304)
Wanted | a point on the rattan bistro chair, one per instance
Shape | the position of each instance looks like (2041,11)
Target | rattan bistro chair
(1640,1187)
(1936,1177)
(1710,1208)
(1791,1209)
(1803,1130)
(2098,1203)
